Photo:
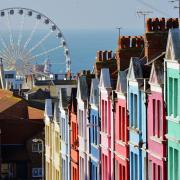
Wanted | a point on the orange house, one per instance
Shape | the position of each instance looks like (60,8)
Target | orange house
(74,136)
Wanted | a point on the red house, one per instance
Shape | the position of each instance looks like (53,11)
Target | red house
(121,130)
(74,136)
(156,121)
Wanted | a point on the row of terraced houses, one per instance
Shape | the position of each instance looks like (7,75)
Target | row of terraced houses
(122,121)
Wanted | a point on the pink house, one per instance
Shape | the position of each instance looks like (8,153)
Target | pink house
(121,129)
(156,121)
(105,90)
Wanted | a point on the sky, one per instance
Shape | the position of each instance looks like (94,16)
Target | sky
(96,14)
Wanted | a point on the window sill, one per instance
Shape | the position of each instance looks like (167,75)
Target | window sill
(158,140)
(105,134)
(122,143)
(95,146)
(173,139)
(135,130)
(173,119)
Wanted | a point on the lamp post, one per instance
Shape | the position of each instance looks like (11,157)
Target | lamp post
(42,154)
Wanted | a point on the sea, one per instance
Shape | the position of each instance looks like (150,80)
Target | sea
(82,44)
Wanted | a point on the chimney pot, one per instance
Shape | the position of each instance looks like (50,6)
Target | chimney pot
(155,24)
(162,24)
(169,24)
(104,55)
(133,41)
(175,23)
(109,54)
(148,24)
(99,55)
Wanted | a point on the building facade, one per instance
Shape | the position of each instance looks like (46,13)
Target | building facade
(137,118)
(105,90)
(94,131)
(74,136)
(121,129)
(64,101)
(52,141)
(156,123)
(83,129)
(172,98)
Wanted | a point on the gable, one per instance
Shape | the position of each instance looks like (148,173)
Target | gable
(121,82)
(105,81)
(170,50)
(131,74)
(153,77)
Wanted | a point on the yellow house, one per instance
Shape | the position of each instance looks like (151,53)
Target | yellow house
(52,142)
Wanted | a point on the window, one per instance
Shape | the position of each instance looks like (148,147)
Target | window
(82,173)
(105,117)
(174,163)
(104,114)
(122,127)
(36,147)
(57,144)
(36,172)
(134,166)
(173,97)
(134,110)
(157,118)
(63,129)
(81,123)
(104,167)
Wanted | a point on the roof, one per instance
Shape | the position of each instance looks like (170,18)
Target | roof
(55,82)
(122,82)
(94,96)
(48,108)
(7,102)
(105,80)
(82,88)
(65,97)
(35,114)
(174,41)
(73,103)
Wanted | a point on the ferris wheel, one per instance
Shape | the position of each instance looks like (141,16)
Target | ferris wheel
(31,43)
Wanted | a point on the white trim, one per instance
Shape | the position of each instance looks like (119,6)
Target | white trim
(173,139)
(133,83)
(121,96)
(156,88)
(121,157)
(173,65)
(156,156)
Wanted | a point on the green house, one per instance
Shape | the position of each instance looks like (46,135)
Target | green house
(172,98)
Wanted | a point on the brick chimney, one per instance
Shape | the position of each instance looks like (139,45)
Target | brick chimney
(156,35)
(128,46)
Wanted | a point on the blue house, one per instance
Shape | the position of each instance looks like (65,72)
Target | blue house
(94,148)
(138,75)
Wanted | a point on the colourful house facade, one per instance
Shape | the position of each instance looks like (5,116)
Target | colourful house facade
(64,99)
(83,129)
(121,129)
(105,90)
(172,98)
(156,122)
(137,118)
(94,131)
(74,136)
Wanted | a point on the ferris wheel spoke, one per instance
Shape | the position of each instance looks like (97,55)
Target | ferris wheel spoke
(31,35)
(11,39)
(21,30)
(40,42)
(45,52)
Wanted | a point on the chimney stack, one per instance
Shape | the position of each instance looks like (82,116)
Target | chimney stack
(156,35)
